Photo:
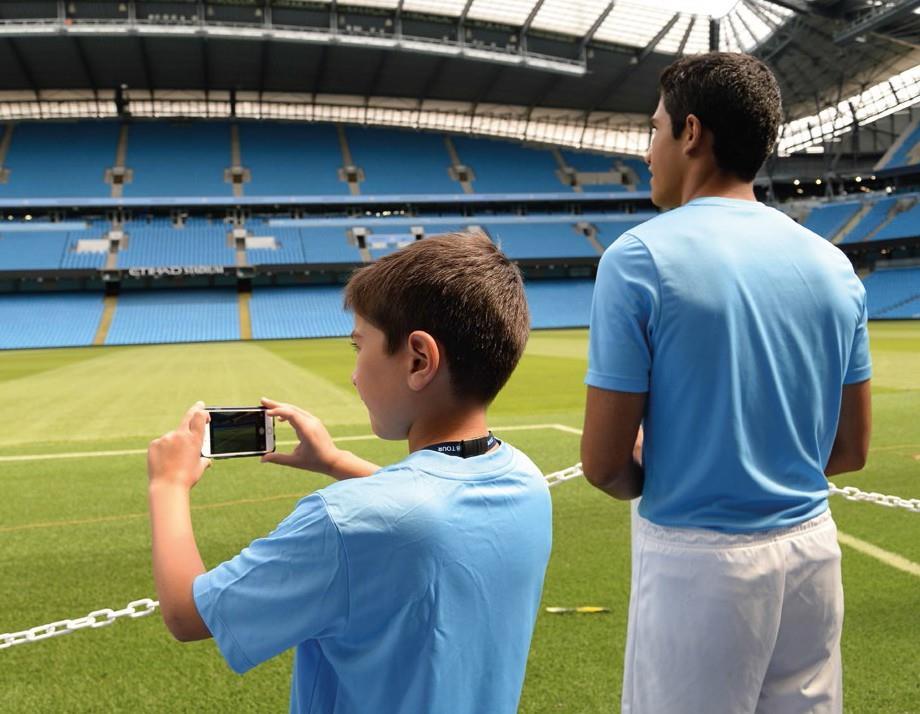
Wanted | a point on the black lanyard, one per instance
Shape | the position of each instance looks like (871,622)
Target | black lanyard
(467,448)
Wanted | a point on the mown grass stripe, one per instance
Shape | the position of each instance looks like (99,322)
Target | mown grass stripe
(137,452)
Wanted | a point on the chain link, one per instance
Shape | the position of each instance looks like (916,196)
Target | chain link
(96,619)
(851,493)
(146,606)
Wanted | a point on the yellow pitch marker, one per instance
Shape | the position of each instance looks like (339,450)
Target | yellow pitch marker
(582,610)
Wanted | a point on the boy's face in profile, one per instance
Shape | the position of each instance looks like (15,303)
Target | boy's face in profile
(665,159)
(380,379)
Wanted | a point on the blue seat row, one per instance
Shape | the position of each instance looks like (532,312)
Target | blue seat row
(190,158)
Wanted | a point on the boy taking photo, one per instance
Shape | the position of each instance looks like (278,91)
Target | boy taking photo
(409,588)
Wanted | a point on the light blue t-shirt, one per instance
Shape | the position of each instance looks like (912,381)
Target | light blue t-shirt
(743,327)
(413,590)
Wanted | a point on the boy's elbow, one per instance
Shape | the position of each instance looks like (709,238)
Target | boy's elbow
(186,629)
(613,482)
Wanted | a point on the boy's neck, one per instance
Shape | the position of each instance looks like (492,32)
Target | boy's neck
(460,426)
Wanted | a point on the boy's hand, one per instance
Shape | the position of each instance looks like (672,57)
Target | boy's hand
(637,448)
(175,457)
(316,450)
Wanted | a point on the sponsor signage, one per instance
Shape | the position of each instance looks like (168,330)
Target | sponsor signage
(175,271)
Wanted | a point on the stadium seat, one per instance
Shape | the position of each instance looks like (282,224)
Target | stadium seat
(49,319)
(291,159)
(159,316)
(50,159)
(828,220)
(893,292)
(178,159)
(316,311)
(559,303)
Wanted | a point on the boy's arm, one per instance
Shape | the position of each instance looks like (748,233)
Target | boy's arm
(611,442)
(315,451)
(851,444)
(174,466)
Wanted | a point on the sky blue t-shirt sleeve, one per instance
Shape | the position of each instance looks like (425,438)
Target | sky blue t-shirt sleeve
(859,368)
(623,313)
(281,590)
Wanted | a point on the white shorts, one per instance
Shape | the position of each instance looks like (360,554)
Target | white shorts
(734,623)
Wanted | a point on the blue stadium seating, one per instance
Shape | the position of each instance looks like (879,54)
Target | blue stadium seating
(901,157)
(173,159)
(71,259)
(559,303)
(328,245)
(158,244)
(49,320)
(904,225)
(60,159)
(872,220)
(541,240)
(828,220)
(401,161)
(175,316)
(609,231)
(289,246)
(291,159)
(893,292)
(504,167)
(32,250)
(317,311)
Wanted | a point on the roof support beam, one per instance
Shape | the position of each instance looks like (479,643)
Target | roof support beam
(525,28)
(595,26)
(23,65)
(686,37)
(634,62)
(875,18)
(461,21)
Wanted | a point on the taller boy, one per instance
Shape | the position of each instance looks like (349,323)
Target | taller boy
(415,589)
(740,338)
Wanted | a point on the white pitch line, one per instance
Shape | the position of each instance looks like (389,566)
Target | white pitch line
(873,551)
(138,452)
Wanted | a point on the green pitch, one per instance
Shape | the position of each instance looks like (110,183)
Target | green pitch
(74,535)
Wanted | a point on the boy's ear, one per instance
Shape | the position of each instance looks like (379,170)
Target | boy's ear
(424,359)
(693,134)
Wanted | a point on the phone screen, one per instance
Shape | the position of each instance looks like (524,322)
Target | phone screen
(235,432)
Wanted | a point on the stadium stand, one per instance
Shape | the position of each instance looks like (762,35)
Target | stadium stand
(903,225)
(33,250)
(559,303)
(328,245)
(291,159)
(541,240)
(401,161)
(157,243)
(174,316)
(316,311)
(178,159)
(74,257)
(503,167)
(40,166)
(828,220)
(906,149)
(608,231)
(49,320)
(893,293)
(288,246)
(877,215)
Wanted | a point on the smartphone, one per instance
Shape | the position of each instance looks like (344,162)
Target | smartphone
(238,431)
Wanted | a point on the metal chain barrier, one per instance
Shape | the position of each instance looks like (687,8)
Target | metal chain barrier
(146,606)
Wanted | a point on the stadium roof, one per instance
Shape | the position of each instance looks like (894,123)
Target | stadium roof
(585,62)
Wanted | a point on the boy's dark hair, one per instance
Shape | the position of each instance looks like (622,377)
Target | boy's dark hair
(460,289)
(733,95)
